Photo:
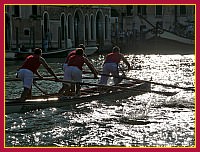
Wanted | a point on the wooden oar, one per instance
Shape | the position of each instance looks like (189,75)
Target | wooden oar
(94,84)
(113,87)
(123,74)
(17,79)
(156,83)
(37,79)
(127,78)
(36,85)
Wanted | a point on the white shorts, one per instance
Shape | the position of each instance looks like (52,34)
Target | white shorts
(72,73)
(27,77)
(107,69)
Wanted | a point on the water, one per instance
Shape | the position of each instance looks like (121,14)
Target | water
(148,120)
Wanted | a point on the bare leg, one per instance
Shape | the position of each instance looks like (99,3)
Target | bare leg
(72,87)
(25,94)
(65,88)
(78,88)
(30,93)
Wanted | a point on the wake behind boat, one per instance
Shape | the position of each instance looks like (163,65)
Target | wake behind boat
(87,95)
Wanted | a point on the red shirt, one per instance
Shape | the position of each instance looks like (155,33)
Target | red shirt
(32,63)
(113,57)
(76,60)
(69,55)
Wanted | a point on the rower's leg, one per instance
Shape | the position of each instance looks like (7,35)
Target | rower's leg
(30,93)
(72,87)
(116,78)
(25,94)
(62,90)
(65,88)
(78,89)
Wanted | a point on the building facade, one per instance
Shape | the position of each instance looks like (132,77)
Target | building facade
(139,19)
(66,26)
(59,25)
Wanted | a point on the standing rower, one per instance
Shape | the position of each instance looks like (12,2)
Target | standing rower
(73,71)
(29,68)
(111,65)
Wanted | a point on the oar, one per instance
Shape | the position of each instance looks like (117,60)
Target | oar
(127,78)
(123,74)
(37,79)
(36,85)
(113,87)
(17,79)
(94,84)
(156,83)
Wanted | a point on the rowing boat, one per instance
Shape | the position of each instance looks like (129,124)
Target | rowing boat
(89,50)
(87,95)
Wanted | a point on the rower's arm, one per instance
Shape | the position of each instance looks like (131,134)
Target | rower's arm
(38,74)
(91,67)
(126,62)
(44,63)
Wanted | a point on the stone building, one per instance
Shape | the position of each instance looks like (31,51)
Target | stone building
(63,26)
(139,19)
(66,26)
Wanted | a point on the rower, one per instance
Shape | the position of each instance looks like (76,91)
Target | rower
(65,65)
(29,68)
(73,71)
(111,66)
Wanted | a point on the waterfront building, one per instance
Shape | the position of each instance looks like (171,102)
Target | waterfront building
(138,20)
(57,26)
(66,26)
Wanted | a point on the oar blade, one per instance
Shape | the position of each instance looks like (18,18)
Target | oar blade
(164,93)
(170,93)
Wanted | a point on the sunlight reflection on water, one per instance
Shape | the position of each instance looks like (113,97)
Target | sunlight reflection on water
(146,120)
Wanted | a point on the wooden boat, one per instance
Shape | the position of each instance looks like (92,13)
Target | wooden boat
(164,33)
(54,53)
(170,36)
(94,93)
(175,37)
(9,55)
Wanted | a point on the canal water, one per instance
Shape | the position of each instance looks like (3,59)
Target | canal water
(148,120)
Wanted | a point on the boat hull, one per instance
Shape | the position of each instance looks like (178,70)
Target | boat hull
(16,106)
(56,53)
(170,36)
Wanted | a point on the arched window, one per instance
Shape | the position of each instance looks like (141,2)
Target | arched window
(45,23)
(86,29)
(16,11)
(106,27)
(69,27)
(62,26)
(34,10)
(159,10)
(183,10)
(92,27)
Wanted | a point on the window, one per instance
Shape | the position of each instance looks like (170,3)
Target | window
(129,9)
(34,10)
(182,10)
(26,32)
(92,27)
(16,10)
(142,10)
(158,10)
(106,27)
(45,23)
(63,26)
(69,27)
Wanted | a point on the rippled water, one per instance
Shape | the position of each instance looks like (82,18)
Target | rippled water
(146,120)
